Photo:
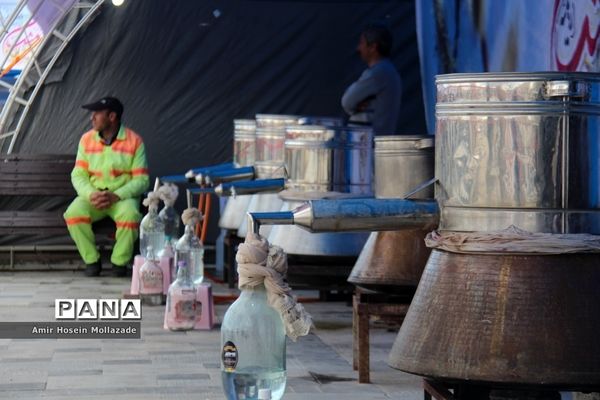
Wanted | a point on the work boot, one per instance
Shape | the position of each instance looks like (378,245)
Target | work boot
(93,269)
(120,271)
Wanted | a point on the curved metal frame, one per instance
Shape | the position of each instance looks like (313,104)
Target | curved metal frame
(19,103)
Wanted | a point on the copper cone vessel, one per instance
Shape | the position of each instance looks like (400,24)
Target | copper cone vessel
(391,261)
(505,319)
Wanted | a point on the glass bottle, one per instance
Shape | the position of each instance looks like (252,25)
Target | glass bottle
(170,218)
(181,301)
(152,231)
(190,249)
(167,256)
(253,347)
(151,280)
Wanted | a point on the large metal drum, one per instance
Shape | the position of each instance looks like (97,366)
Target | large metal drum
(353,165)
(402,163)
(244,142)
(519,149)
(270,139)
(325,159)
(309,157)
(392,262)
(512,149)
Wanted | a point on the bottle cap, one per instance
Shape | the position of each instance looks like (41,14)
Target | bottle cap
(264,394)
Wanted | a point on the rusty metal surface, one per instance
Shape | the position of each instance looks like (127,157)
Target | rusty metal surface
(391,260)
(505,319)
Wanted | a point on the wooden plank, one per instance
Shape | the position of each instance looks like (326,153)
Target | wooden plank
(33,231)
(11,177)
(36,168)
(39,192)
(18,156)
(26,213)
(34,184)
(33,223)
(437,390)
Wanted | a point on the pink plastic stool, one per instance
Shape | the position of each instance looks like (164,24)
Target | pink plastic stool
(138,261)
(207,316)
(165,266)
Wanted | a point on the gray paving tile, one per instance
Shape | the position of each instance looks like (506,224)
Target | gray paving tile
(78,350)
(183,376)
(127,362)
(26,386)
(76,372)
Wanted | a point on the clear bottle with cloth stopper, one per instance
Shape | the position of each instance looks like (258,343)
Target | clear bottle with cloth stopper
(152,227)
(181,301)
(253,347)
(168,214)
(189,248)
(151,280)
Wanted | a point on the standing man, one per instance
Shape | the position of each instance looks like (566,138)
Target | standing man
(375,97)
(110,175)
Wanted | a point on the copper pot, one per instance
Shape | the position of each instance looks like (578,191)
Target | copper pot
(391,261)
(505,319)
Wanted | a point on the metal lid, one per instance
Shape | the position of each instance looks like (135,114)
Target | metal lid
(404,142)
(271,132)
(309,133)
(323,121)
(244,124)
(517,92)
(275,120)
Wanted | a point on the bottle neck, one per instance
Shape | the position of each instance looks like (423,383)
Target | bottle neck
(189,229)
(183,273)
(150,254)
(259,290)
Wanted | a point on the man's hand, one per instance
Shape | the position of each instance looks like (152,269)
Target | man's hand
(103,199)
(112,198)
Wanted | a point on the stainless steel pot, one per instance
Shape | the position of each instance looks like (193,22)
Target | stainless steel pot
(244,142)
(520,149)
(325,159)
(401,164)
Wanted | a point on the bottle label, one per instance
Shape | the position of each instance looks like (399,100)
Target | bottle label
(185,308)
(151,281)
(229,357)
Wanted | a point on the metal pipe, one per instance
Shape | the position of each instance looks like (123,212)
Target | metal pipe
(190,175)
(225,175)
(256,219)
(250,187)
(211,168)
(354,215)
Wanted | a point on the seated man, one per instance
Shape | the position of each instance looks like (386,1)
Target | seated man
(109,176)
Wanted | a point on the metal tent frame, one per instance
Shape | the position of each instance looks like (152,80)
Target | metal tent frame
(23,92)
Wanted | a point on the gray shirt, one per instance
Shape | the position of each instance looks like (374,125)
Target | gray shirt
(380,85)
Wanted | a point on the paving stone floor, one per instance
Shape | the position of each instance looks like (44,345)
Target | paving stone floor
(170,365)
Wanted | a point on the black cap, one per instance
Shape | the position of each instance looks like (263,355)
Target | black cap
(106,103)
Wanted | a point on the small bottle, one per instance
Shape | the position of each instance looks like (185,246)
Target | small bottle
(190,249)
(152,231)
(253,347)
(181,301)
(151,280)
(167,256)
